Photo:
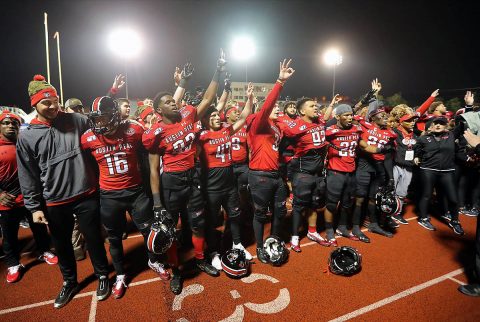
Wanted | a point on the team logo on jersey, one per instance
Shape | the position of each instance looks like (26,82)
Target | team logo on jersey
(157,131)
(409,141)
(129,131)
(91,138)
(335,130)
(303,127)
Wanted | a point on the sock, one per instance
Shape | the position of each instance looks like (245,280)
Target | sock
(172,255)
(356,230)
(329,230)
(258,230)
(312,229)
(198,243)
(295,240)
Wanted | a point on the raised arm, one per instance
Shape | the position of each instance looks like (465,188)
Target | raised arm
(329,109)
(226,92)
(118,82)
(373,93)
(181,79)
(424,107)
(246,110)
(211,91)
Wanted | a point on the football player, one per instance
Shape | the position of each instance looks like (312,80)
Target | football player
(173,139)
(218,178)
(267,186)
(115,145)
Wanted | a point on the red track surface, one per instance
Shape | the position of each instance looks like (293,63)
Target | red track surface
(411,277)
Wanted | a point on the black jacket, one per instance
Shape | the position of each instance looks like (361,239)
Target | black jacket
(436,155)
(403,144)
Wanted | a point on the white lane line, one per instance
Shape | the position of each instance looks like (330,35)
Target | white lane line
(457,281)
(93,309)
(397,296)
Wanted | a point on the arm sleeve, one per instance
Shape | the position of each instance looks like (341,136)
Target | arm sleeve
(264,113)
(29,177)
(424,107)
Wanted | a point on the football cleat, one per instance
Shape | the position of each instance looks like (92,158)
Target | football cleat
(119,287)
(160,270)
(49,258)
(318,239)
(14,273)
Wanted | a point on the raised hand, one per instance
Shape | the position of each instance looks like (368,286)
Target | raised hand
(435,93)
(187,70)
(469,98)
(227,82)
(118,82)
(177,76)
(376,85)
(250,91)
(285,70)
(335,99)
(221,62)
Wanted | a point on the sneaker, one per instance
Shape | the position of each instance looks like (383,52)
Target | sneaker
(390,223)
(346,234)
(362,237)
(399,220)
(447,217)
(66,294)
(24,224)
(318,239)
(14,273)
(103,288)
(119,287)
(262,255)
(425,223)
(176,283)
(206,267)
(376,229)
(473,212)
(159,268)
(248,256)
(470,289)
(456,227)
(216,262)
(333,242)
(49,258)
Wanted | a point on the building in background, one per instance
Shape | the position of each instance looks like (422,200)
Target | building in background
(260,90)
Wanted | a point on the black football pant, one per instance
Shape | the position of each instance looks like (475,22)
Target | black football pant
(468,179)
(440,180)
(230,202)
(60,221)
(10,222)
(268,190)
(113,208)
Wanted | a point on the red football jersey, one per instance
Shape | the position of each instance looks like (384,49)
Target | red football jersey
(307,136)
(264,136)
(174,142)
(216,148)
(342,148)
(239,146)
(9,173)
(117,157)
(373,135)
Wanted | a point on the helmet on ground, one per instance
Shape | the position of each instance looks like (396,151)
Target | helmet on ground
(388,202)
(345,260)
(276,250)
(234,263)
(104,115)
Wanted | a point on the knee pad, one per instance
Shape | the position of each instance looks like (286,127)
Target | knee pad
(197,220)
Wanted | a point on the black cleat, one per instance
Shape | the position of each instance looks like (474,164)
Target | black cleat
(207,268)
(176,283)
(375,228)
(470,289)
(66,294)
(362,237)
(103,288)
(456,227)
(263,256)
(399,219)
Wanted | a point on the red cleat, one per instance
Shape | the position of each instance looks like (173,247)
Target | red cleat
(160,270)
(49,258)
(318,239)
(119,287)
(14,273)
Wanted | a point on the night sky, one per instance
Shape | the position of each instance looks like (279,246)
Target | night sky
(413,47)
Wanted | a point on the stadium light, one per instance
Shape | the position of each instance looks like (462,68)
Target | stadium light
(243,48)
(332,57)
(126,44)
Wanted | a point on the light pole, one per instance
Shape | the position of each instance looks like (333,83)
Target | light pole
(243,48)
(126,44)
(57,36)
(332,57)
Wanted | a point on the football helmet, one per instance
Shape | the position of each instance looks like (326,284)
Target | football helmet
(234,263)
(162,233)
(345,260)
(276,250)
(388,202)
(104,115)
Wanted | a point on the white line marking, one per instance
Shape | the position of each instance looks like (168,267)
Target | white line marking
(397,296)
(93,309)
(457,281)
(235,294)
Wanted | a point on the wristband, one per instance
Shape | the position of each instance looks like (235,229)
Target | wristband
(183,83)
(281,82)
